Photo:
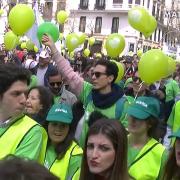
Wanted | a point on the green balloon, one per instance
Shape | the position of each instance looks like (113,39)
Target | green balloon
(138,18)
(10,40)
(153,66)
(21,18)
(115,44)
(49,29)
(72,41)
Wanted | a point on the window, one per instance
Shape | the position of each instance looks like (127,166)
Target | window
(131,47)
(143,2)
(82,24)
(100,2)
(115,25)
(117,1)
(148,3)
(140,34)
(47,11)
(153,10)
(155,35)
(159,35)
(130,1)
(84,4)
(137,1)
(98,25)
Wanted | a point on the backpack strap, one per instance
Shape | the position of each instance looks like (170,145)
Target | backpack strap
(142,155)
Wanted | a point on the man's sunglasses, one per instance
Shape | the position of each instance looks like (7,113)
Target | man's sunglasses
(98,74)
(55,83)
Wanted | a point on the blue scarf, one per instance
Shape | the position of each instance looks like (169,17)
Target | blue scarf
(104,101)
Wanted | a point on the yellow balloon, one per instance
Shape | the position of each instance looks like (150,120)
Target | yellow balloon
(72,41)
(138,18)
(10,40)
(62,17)
(91,41)
(1,12)
(98,55)
(115,44)
(86,52)
(36,49)
(171,66)
(120,71)
(23,45)
(81,36)
(153,66)
(139,52)
(21,18)
(151,28)
(61,36)
(30,45)
(72,55)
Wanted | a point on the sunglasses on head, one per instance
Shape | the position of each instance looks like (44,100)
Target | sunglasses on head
(98,74)
(55,83)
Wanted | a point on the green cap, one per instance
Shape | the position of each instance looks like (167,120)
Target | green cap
(175,134)
(60,112)
(144,107)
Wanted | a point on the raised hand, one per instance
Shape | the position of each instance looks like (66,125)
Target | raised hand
(47,41)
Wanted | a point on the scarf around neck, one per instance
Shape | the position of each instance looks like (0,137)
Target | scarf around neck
(104,101)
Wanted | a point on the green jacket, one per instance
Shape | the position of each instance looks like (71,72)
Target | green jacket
(116,111)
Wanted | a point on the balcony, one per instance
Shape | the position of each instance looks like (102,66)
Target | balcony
(99,6)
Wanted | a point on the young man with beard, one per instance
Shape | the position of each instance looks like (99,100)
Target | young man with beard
(102,95)
(57,87)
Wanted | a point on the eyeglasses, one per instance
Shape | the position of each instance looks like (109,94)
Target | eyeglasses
(55,83)
(98,74)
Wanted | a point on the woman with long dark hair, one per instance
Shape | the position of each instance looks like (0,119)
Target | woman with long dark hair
(63,155)
(105,153)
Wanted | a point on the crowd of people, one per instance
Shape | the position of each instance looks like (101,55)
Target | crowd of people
(64,119)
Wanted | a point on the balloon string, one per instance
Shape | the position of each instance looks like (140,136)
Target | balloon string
(140,86)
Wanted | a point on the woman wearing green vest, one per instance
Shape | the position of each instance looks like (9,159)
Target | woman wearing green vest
(172,168)
(105,153)
(63,155)
(146,156)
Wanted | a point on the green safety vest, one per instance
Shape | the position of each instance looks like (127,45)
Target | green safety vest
(61,167)
(176,123)
(147,167)
(12,137)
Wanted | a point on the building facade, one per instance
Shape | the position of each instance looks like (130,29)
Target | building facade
(99,18)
